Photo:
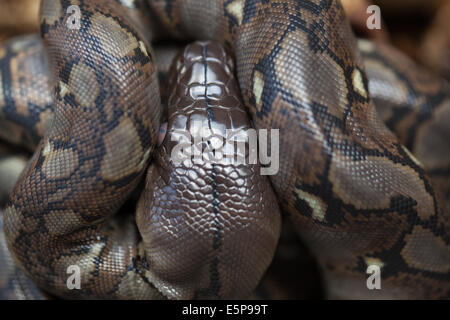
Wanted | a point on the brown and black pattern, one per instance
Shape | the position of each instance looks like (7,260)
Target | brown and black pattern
(353,191)
(26,105)
(14,284)
(107,115)
(415,105)
(355,194)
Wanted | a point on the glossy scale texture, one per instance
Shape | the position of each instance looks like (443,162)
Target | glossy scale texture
(210,229)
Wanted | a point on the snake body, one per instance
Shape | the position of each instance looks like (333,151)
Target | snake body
(14,284)
(26,104)
(211,228)
(354,193)
(415,105)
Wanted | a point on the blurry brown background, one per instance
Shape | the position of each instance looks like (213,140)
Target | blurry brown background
(407,20)
(18,17)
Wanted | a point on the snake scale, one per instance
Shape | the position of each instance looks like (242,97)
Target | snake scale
(349,186)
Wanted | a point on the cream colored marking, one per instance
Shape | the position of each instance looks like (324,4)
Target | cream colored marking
(96,249)
(358,83)
(370,261)
(143,48)
(413,158)
(258,86)
(60,163)
(365,45)
(318,207)
(236,9)
(127,3)
(140,249)
(115,40)
(425,251)
(144,160)
(63,89)
(123,151)
(47,148)
(83,84)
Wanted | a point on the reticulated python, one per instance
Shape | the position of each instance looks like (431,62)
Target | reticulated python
(354,193)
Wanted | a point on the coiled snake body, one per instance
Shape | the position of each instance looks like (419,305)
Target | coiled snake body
(354,193)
